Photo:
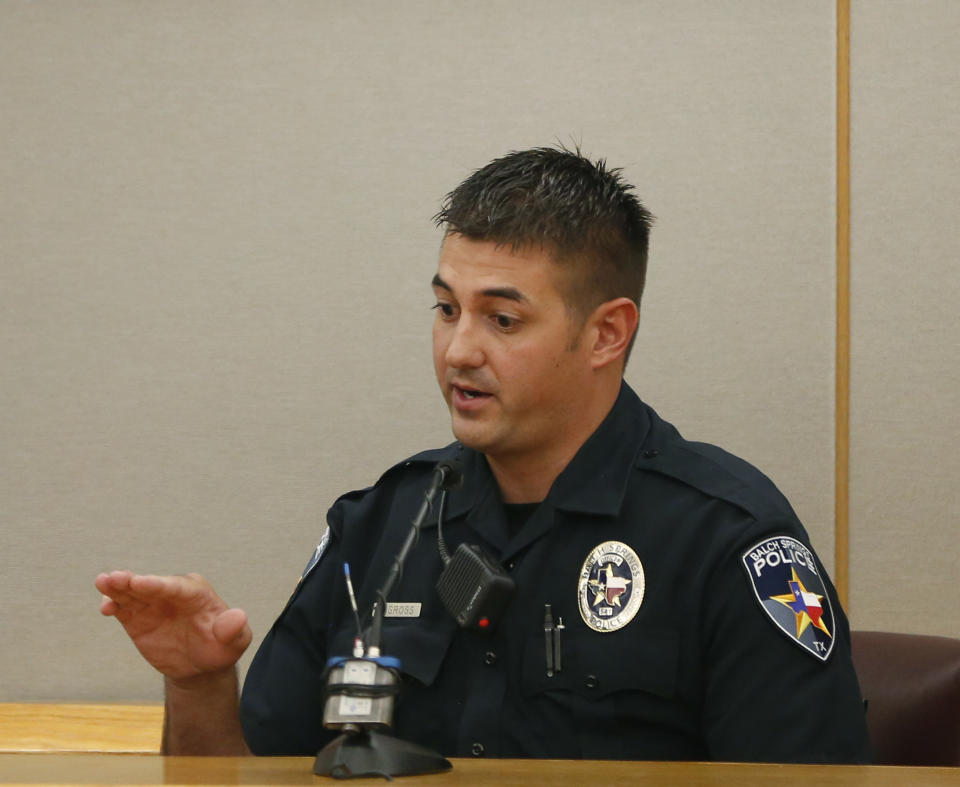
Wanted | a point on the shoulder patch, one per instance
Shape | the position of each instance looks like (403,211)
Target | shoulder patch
(317,554)
(787,584)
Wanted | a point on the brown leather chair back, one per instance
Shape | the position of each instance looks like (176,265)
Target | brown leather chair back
(911,684)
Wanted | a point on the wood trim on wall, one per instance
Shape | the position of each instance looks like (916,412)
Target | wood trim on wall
(842,406)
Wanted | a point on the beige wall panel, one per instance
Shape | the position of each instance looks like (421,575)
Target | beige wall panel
(905,334)
(736,344)
(216,247)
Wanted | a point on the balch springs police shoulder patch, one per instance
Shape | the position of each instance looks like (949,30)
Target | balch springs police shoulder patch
(788,585)
(611,586)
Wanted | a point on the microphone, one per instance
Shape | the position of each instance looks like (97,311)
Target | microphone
(447,474)
(361,689)
(473,586)
(450,472)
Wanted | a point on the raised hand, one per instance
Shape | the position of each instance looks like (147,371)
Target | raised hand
(178,623)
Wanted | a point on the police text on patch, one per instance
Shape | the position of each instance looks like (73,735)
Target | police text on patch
(782,551)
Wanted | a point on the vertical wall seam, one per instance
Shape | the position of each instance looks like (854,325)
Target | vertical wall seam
(842,403)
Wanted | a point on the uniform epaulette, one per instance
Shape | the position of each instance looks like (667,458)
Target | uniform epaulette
(719,474)
(421,460)
(428,457)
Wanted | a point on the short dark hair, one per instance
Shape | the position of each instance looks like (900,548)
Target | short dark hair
(581,211)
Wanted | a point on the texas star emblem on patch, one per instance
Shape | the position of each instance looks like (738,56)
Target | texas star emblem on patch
(611,586)
(788,585)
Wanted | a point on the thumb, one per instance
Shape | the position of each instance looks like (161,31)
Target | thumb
(231,630)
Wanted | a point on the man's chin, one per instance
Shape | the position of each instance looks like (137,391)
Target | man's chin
(470,434)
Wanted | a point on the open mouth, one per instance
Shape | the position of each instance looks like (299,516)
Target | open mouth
(469,393)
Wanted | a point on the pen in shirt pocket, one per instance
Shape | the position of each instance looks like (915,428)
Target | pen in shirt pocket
(552,640)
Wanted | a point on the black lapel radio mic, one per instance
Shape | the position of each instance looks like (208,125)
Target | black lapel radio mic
(473,586)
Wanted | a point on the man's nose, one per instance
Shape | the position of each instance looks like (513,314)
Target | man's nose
(464,350)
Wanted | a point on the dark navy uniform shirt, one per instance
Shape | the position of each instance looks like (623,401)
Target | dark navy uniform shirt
(700,671)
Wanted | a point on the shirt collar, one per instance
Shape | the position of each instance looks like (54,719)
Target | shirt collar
(595,480)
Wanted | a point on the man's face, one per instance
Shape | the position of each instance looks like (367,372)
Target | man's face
(507,356)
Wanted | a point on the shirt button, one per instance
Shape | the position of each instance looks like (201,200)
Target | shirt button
(477,750)
(489,658)
(511,565)
(592,681)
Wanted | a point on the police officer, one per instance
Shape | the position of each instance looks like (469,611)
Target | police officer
(668,603)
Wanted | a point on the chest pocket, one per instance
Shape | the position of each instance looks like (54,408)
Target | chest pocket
(611,690)
(596,665)
(420,645)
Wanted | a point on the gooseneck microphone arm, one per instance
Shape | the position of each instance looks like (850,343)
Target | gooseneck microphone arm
(361,690)
(446,475)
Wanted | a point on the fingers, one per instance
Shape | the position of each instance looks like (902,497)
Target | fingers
(108,606)
(115,586)
(115,581)
(173,588)
(125,586)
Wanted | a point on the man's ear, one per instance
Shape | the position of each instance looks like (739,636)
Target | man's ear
(614,323)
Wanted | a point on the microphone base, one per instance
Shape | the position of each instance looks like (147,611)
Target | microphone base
(370,753)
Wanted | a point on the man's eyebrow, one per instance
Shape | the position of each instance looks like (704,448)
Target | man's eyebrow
(510,293)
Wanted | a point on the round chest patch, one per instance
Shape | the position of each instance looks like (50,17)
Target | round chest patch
(611,586)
